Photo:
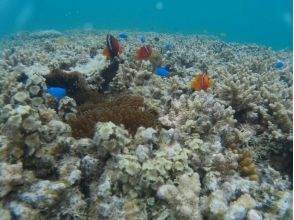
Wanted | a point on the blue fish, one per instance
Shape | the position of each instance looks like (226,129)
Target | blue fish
(123,36)
(57,92)
(162,71)
(142,39)
(168,46)
(279,65)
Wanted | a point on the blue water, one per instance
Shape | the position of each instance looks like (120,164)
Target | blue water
(264,22)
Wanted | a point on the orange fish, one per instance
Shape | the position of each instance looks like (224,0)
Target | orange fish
(144,52)
(112,47)
(202,82)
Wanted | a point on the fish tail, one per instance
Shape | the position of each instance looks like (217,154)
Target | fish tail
(106,52)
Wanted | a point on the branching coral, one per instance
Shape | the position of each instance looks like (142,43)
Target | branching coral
(262,100)
(240,92)
(200,113)
(258,98)
(247,166)
(226,165)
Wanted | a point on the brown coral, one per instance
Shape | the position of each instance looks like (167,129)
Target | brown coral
(233,147)
(127,110)
(247,166)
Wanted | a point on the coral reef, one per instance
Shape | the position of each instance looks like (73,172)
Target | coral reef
(128,144)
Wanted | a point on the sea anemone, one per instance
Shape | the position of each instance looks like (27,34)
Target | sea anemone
(124,110)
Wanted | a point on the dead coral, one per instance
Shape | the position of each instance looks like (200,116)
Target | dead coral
(127,110)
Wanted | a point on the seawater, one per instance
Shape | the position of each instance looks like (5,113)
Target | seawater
(264,22)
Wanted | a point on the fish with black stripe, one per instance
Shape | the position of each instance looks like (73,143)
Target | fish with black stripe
(113,48)
(144,52)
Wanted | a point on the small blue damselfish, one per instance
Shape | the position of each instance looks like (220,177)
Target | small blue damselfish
(168,46)
(123,36)
(142,39)
(162,71)
(279,64)
(57,92)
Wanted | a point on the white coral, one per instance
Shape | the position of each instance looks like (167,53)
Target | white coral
(184,198)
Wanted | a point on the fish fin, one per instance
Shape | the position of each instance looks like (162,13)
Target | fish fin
(106,52)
